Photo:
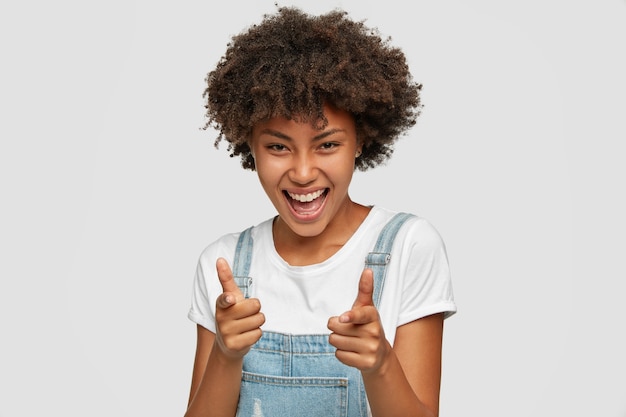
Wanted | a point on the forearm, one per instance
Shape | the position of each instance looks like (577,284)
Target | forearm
(218,392)
(390,394)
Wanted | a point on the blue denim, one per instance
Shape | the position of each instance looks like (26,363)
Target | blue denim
(293,375)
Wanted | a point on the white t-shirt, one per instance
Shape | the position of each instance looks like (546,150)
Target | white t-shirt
(301,299)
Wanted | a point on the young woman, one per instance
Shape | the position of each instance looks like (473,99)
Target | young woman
(330,308)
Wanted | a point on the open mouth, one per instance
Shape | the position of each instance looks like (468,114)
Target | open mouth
(306,204)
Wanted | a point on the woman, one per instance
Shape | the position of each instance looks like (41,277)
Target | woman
(331,307)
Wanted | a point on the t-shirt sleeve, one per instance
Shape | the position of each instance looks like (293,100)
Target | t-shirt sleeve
(202,310)
(206,286)
(427,285)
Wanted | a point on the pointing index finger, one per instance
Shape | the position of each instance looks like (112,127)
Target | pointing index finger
(225,275)
(366,289)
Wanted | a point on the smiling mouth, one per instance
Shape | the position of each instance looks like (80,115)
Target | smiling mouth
(306,204)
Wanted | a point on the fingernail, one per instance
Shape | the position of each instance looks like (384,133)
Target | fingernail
(229,299)
(344,319)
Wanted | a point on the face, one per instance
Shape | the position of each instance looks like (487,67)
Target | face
(305,171)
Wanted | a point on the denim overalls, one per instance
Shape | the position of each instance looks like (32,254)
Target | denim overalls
(295,375)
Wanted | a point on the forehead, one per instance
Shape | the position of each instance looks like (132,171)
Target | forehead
(335,119)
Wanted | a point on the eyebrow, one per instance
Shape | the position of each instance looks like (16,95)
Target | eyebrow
(281,135)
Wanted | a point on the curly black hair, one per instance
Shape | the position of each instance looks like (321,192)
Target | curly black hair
(292,63)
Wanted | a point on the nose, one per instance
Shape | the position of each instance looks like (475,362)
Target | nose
(304,169)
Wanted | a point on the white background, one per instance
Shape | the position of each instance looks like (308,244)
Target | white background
(110,190)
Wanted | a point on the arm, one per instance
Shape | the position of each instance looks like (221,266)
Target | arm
(399,381)
(215,380)
(218,363)
(408,383)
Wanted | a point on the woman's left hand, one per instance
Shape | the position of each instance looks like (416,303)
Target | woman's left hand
(358,334)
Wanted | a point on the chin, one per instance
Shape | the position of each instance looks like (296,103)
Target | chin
(312,229)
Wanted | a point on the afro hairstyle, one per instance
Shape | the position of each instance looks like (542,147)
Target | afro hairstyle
(293,63)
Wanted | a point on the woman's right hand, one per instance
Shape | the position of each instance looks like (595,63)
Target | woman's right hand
(238,319)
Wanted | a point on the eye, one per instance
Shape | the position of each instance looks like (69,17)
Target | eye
(277,147)
(327,146)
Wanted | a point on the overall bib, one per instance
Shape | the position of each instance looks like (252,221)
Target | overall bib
(296,375)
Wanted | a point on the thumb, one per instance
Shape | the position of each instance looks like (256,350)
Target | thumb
(366,289)
(229,286)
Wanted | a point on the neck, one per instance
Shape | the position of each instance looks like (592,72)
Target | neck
(299,250)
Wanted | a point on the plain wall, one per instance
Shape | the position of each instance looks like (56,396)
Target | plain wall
(110,189)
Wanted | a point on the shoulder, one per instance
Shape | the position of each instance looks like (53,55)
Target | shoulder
(225,245)
(416,231)
(423,234)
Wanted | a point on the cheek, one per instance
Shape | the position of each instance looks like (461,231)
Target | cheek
(340,172)
(265,167)
(269,173)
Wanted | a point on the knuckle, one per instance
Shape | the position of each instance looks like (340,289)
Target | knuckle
(331,325)
(373,333)
(370,362)
(224,330)
(372,346)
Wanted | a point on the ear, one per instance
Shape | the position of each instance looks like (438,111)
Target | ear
(359,150)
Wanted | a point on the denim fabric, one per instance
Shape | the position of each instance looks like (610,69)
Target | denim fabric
(380,256)
(294,375)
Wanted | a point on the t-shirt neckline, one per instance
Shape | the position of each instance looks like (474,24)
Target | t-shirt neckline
(327,263)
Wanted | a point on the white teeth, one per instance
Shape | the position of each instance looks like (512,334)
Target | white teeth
(305,198)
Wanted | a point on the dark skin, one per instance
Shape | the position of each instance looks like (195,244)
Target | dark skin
(297,250)
(346,63)
(400,380)
(397,381)
(219,357)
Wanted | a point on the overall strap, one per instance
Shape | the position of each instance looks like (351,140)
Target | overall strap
(380,256)
(376,260)
(241,262)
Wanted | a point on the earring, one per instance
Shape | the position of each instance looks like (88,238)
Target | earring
(358,153)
